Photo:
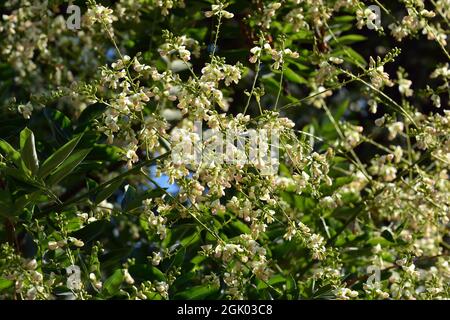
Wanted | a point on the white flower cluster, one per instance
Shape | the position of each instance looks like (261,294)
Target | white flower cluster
(28,280)
(277,55)
(418,19)
(100,14)
(156,222)
(167,5)
(321,199)
(179,46)
(378,76)
(219,10)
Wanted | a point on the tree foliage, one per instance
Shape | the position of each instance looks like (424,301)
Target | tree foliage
(102,195)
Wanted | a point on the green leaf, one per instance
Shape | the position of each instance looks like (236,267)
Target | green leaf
(293,76)
(325,292)
(379,240)
(240,227)
(343,19)
(58,157)
(129,198)
(21,202)
(198,33)
(88,115)
(6,205)
(107,191)
(298,65)
(104,152)
(112,284)
(74,224)
(270,84)
(67,166)
(179,257)
(59,124)
(348,39)
(92,231)
(272,281)
(5,284)
(28,150)
(354,56)
(387,234)
(133,200)
(197,293)
(19,175)
(337,183)
(340,110)
(146,272)
(10,152)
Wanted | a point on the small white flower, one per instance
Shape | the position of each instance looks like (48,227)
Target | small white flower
(53,245)
(127,277)
(74,278)
(404,87)
(26,110)
(31,264)
(156,259)
(436,100)
(394,129)
(336,60)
